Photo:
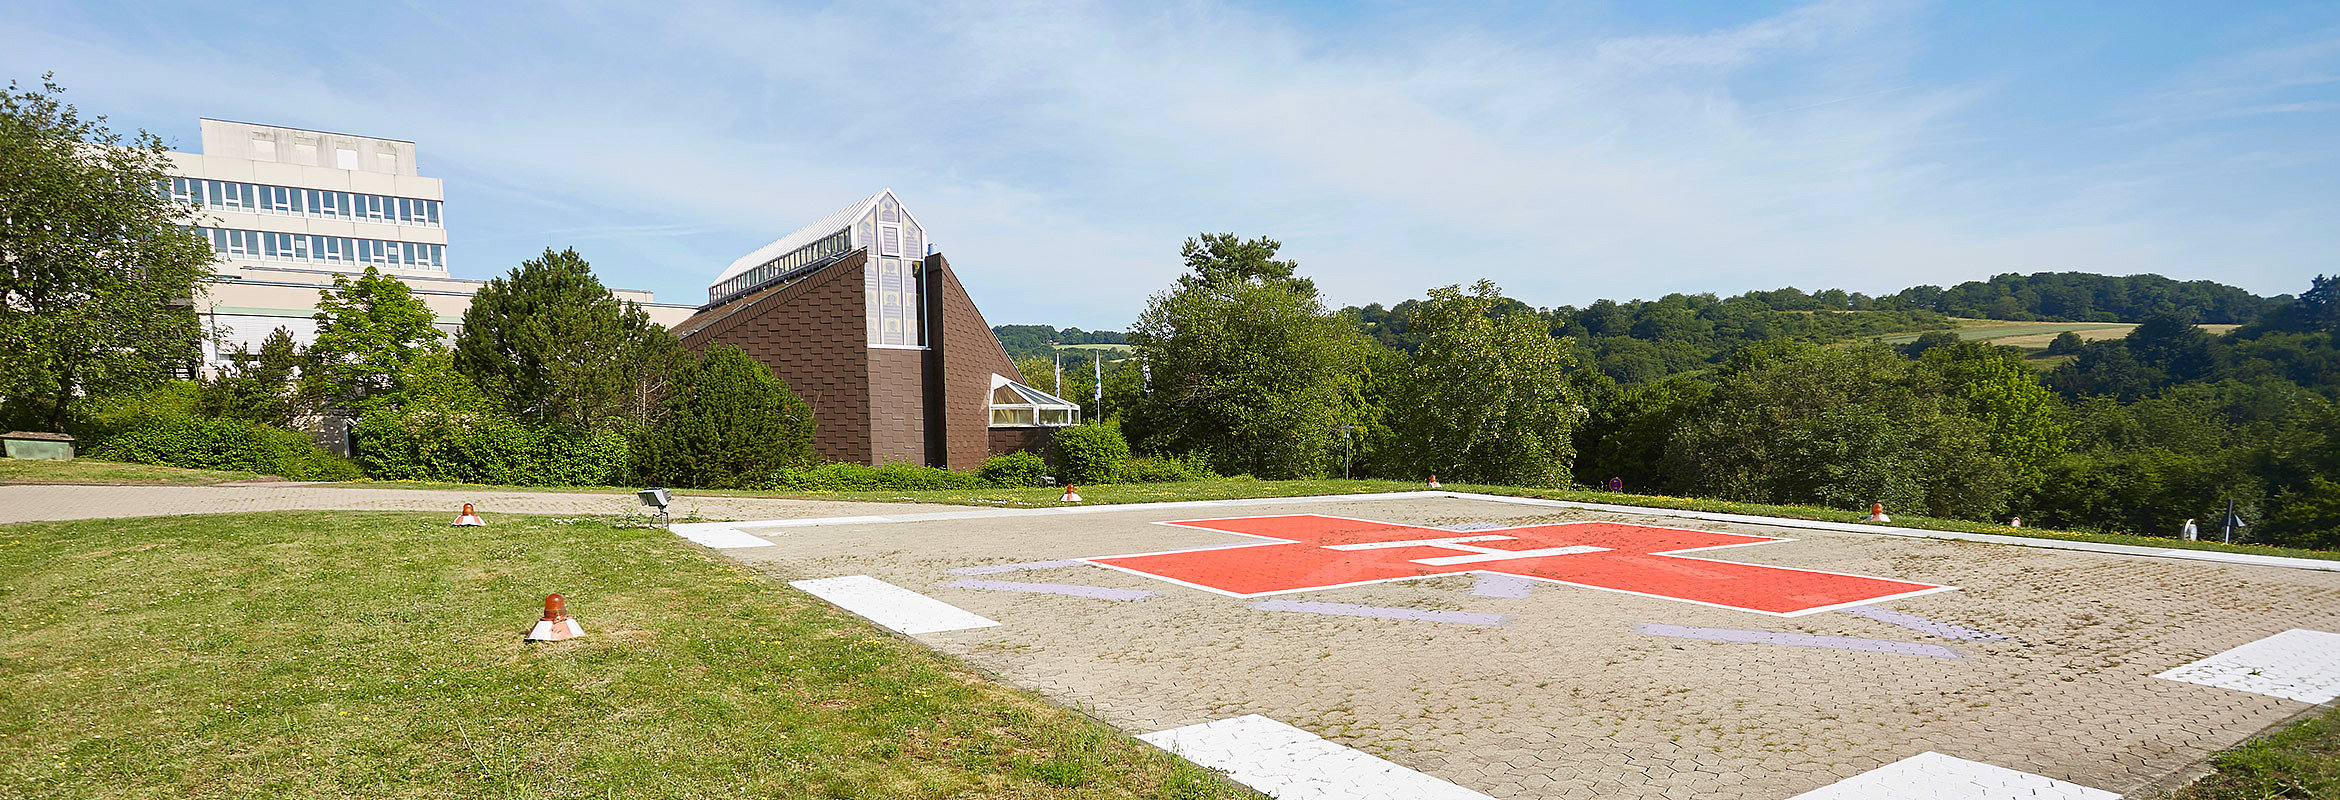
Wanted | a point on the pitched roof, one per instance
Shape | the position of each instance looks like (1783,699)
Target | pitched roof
(803,236)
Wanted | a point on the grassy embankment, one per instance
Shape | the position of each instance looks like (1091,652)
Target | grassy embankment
(2299,761)
(379,655)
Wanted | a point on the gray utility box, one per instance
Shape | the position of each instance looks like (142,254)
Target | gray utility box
(26,444)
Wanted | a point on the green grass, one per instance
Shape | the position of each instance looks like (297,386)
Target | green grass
(1244,488)
(2299,761)
(87,470)
(379,655)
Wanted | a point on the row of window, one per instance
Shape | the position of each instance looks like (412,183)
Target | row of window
(313,249)
(777,267)
(896,301)
(260,198)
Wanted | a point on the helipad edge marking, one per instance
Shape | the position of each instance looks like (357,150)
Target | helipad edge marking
(1933,776)
(2297,664)
(892,606)
(1288,763)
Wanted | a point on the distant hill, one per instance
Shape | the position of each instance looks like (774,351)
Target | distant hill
(2087,297)
(1034,340)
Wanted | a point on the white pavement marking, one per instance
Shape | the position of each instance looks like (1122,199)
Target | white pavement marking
(2300,665)
(892,606)
(1069,590)
(720,537)
(1933,776)
(1750,519)
(1288,763)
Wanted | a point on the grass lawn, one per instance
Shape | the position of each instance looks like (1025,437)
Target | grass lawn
(86,470)
(374,655)
(2301,761)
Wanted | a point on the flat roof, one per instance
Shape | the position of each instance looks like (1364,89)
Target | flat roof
(304,130)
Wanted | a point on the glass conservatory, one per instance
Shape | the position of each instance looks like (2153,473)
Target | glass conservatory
(1014,405)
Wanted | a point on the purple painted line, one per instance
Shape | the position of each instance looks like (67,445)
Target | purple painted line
(1923,625)
(1468,527)
(1796,640)
(1351,610)
(1496,584)
(994,569)
(1093,592)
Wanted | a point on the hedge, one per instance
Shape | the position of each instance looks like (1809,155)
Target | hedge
(859,478)
(482,447)
(1089,453)
(1020,468)
(224,444)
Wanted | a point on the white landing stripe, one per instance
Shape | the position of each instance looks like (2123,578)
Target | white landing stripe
(2296,664)
(1933,776)
(892,606)
(720,537)
(1288,763)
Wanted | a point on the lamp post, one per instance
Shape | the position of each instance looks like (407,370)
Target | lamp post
(1344,429)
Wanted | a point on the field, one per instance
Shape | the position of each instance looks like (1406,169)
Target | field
(379,655)
(2036,335)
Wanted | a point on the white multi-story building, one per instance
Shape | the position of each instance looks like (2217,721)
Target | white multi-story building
(287,209)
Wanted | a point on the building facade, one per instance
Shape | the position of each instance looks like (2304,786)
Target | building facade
(287,209)
(862,317)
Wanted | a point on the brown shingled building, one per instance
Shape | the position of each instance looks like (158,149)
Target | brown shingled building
(865,321)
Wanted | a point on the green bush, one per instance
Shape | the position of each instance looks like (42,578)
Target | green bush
(1089,453)
(1020,468)
(485,447)
(858,478)
(1147,469)
(728,421)
(224,444)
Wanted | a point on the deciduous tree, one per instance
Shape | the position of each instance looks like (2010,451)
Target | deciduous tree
(370,329)
(98,269)
(549,344)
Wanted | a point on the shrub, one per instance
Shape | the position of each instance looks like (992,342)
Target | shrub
(224,444)
(1020,468)
(485,447)
(1147,469)
(1089,453)
(728,421)
(859,478)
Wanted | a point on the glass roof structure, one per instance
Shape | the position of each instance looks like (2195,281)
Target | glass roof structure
(1014,405)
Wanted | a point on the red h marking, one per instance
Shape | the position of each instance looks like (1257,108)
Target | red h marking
(1306,552)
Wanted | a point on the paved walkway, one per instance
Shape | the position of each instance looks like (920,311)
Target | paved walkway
(38,503)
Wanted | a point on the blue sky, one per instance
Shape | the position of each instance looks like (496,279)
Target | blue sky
(1059,153)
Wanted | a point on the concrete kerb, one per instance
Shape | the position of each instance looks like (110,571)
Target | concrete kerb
(704,531)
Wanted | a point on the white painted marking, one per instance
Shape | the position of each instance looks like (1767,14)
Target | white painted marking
(1288,763)
(892,606)
(1492,554)
(718,536)
(2296,664)
(1933,776)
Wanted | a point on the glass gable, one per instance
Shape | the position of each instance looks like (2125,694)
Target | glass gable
(1014,405)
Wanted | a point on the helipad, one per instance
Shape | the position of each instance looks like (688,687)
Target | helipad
(1471,646)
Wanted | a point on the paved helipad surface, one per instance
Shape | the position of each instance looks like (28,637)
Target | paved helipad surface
(1522,651)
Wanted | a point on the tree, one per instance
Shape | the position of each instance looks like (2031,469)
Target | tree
(1247,366)
(2066,343)
(260,385)
(1793,422)
(729,423)
(1484,398)
(2007,397)
(98,269)
(369,331)
(549,344)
